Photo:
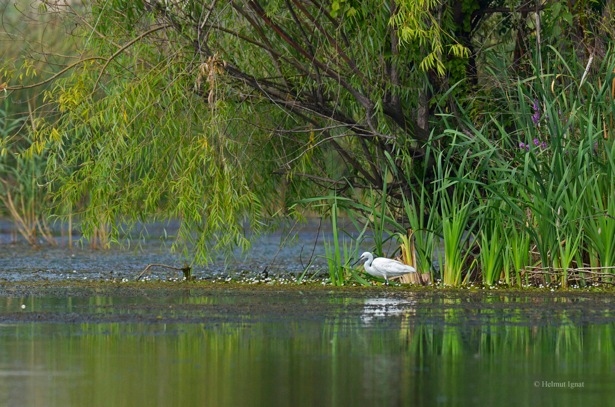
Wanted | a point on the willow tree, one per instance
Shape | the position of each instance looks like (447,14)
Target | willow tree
(218,113)
(222,112)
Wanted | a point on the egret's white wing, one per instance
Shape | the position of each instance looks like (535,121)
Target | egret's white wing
(390,267)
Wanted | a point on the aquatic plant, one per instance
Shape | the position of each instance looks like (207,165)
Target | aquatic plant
(491,259)
(555,193)
(22,196)
(539,208)
(342,249)
(333,251)
(516,256)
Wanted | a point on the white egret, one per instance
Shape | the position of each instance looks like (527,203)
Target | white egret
(385,268)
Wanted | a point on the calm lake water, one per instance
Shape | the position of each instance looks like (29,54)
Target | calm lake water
(74,333)
(221,346)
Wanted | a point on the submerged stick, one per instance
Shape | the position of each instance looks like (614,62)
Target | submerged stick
(187,270)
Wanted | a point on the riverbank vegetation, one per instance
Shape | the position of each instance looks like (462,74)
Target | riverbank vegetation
(477,134)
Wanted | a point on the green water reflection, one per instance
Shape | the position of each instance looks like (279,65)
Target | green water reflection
(390,352)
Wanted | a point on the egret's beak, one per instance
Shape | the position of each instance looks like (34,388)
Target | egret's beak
(355,263)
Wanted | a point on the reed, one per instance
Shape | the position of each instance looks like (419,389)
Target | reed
(504,200)
(492,246)
(22,197)
(343,248)
(516,256)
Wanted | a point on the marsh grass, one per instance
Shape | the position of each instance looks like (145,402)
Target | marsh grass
(336,251)
(528,190)
(516,257)
(524,180)
(343,249)
(423,227)
(559,177)
(456,226)
(21,174)
(492,246)
(521,195)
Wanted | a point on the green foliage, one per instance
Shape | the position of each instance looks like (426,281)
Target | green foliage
(531,184)
(130,159)
(516,256)
(35,45)
(546,181)
(22,198)
(428,24)
(334,254)
(424,227)
(172,122)
(342,7)
(225,115)
(492,246)
(456,235)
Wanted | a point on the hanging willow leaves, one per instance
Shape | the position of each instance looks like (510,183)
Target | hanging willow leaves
(226,113)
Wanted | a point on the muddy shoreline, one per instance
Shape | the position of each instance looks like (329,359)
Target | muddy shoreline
(216,302)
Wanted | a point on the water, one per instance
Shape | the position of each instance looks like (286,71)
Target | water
(213,345)
(297,249)
(73,333)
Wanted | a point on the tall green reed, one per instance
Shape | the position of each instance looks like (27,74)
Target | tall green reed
(424,225)
(457,206)
(526,187)
(343,249)
(516,257)
(492,246)
(557,171)
(600,227)
(22,197)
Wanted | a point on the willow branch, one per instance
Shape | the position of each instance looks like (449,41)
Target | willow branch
(54,76)
(126,46)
